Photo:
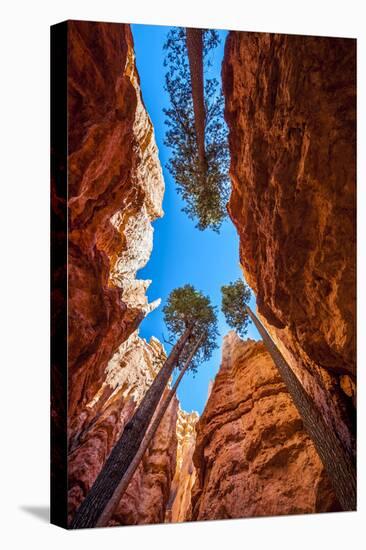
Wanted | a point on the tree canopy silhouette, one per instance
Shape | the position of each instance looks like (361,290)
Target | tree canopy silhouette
(204,187)
(188,308)
(235,298)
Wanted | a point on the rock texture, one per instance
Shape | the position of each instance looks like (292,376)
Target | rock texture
(291,111)
(146,497)
(179,505)
(115,191)
(292,147)
(252,455)
(130,373)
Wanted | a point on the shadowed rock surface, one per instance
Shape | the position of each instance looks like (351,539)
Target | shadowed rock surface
(130,373)
(179,504)
(115,191)
(291,111)
(145,500)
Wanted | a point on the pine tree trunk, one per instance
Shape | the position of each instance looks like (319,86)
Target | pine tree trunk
(337,461)
(120,490)
(194,40)
(127,446)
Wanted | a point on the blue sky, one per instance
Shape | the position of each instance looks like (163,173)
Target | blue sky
(181,253)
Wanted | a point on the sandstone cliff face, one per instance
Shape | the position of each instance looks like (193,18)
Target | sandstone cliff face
(115,191)
(292,169)
(179,505)
(290,107)
(252,455)
(130,373)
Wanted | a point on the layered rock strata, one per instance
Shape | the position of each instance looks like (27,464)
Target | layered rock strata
(145,500)
(291,111)
(252,455)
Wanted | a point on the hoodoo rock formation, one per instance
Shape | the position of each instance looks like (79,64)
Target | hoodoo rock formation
(145,500)
(253,456)
(130,373)
(290,107)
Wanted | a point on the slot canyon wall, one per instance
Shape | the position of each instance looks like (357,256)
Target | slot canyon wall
(116,189)
(252,455)
(290,104)
(248,454)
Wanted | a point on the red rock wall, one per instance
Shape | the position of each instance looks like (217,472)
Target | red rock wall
(292,160)
(130,373)
(290,108)
(146,498)
(253,456)
(115,191)
(111,141)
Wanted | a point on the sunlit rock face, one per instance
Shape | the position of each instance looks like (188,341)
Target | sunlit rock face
(290,108)
(132,369)
(115,191)
(179,505)
(252,455)
(129,375)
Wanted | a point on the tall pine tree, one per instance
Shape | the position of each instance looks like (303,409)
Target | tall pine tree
(190,318)
(204,186)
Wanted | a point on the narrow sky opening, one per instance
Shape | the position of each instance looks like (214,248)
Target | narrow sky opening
(181,253)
